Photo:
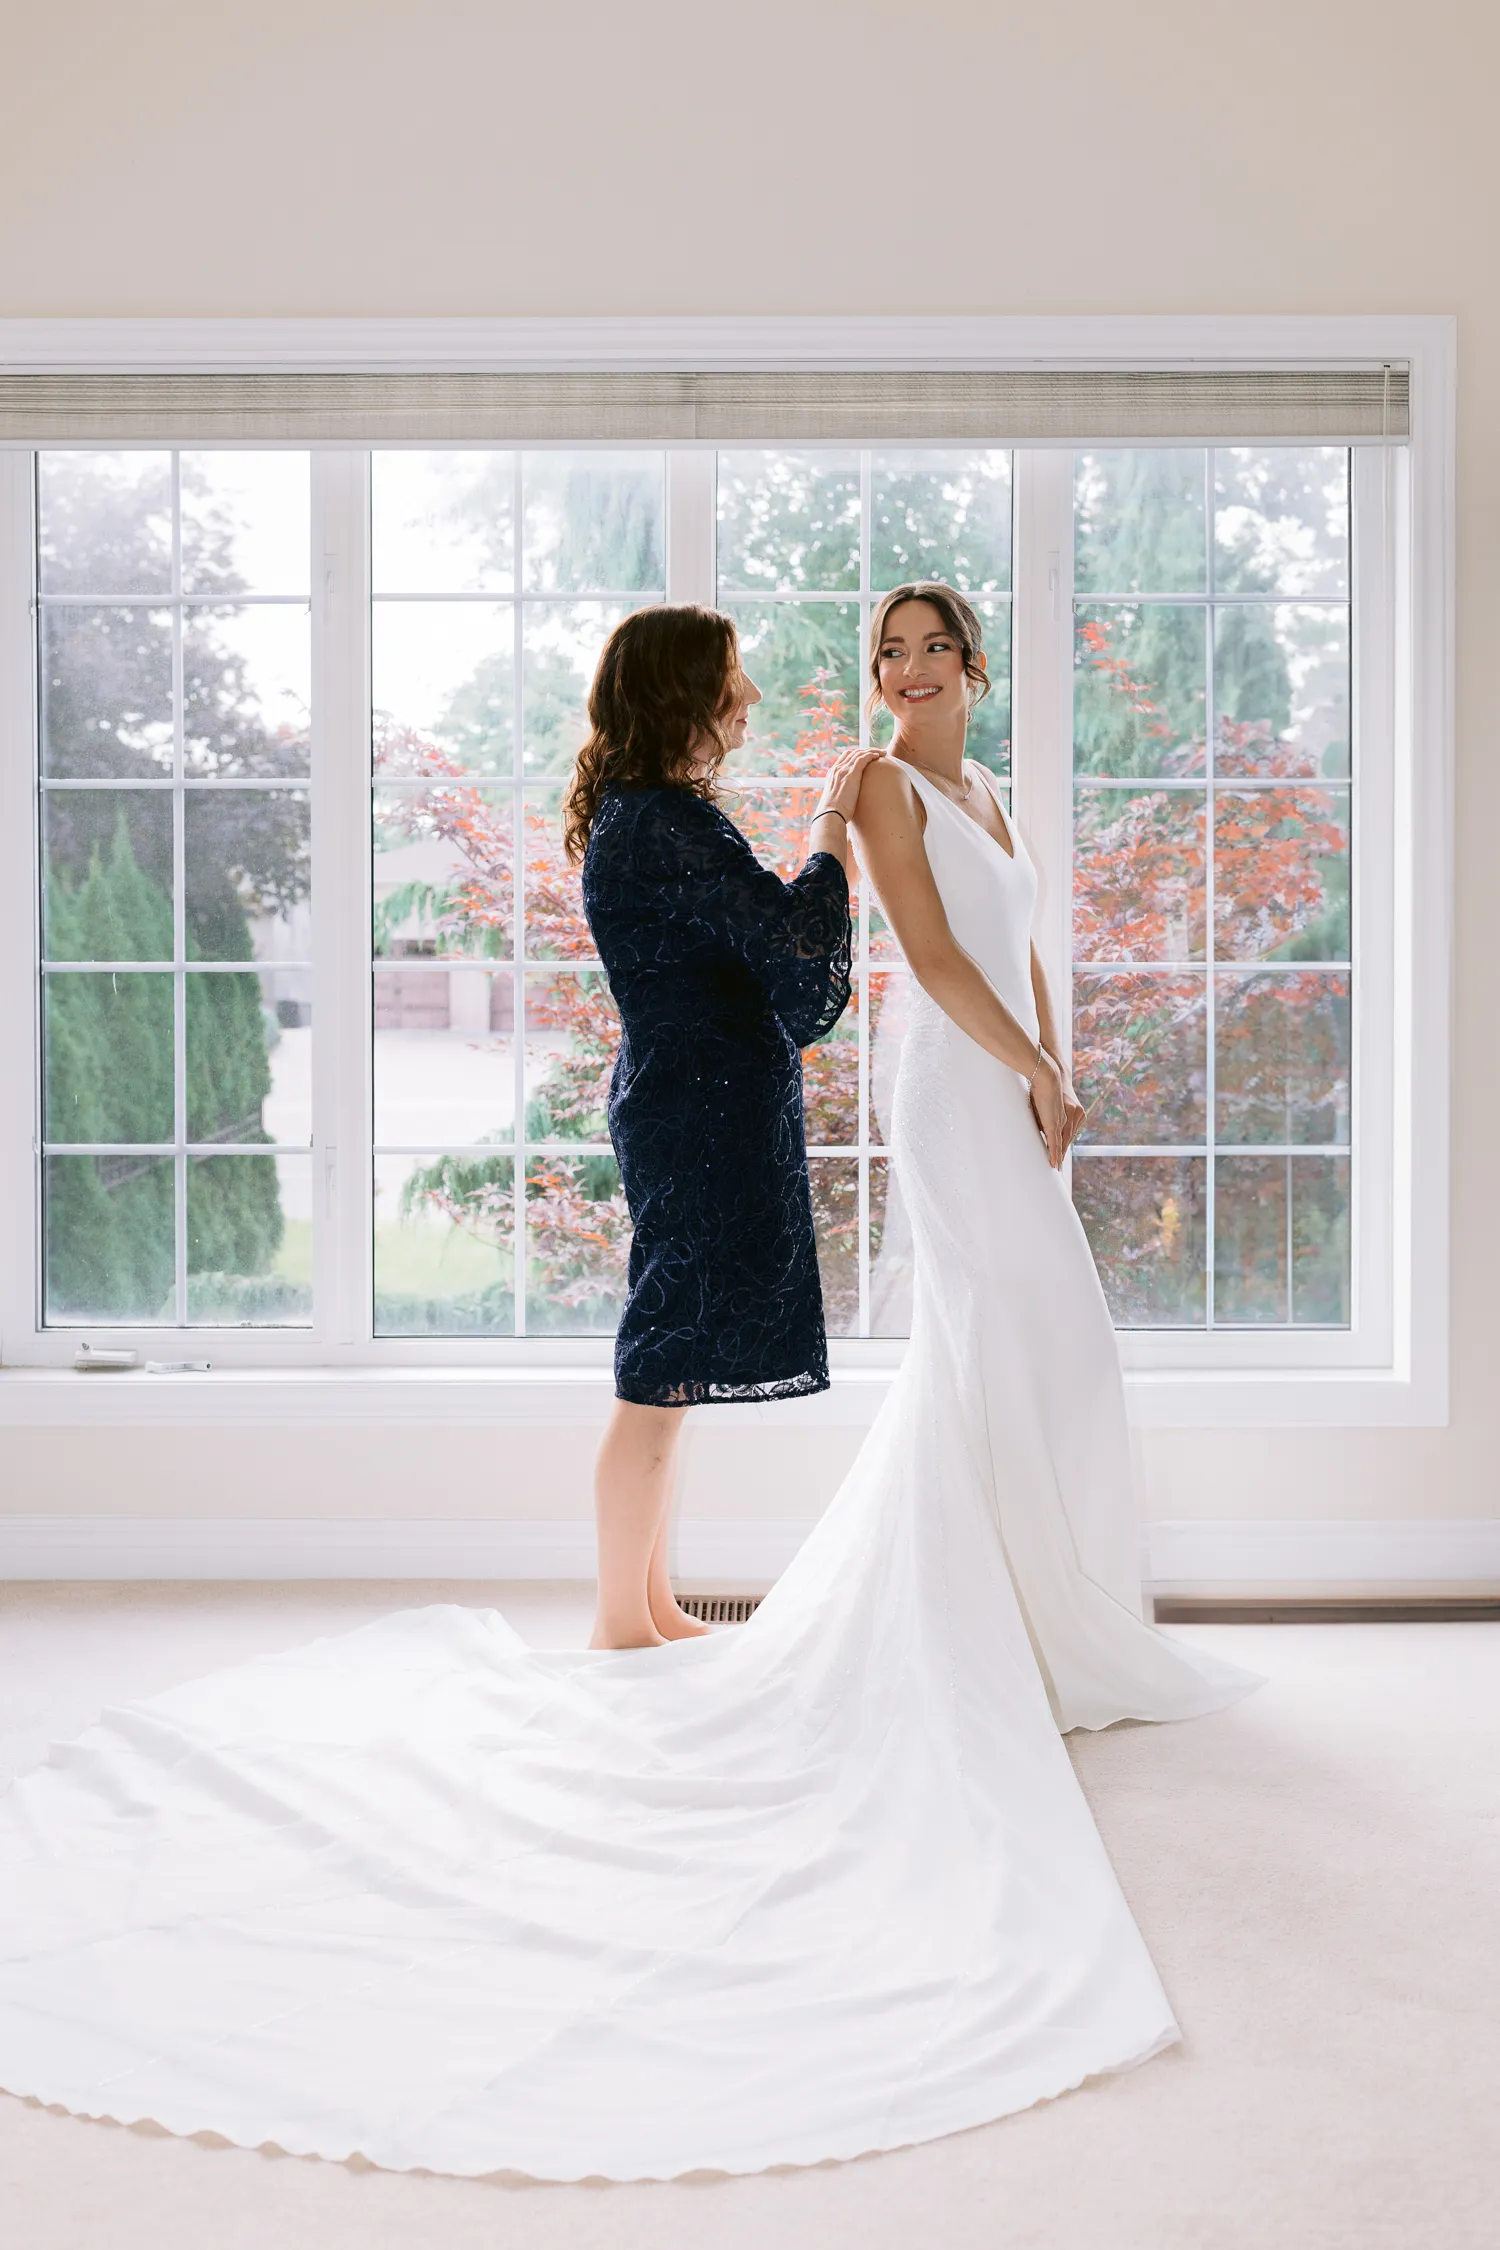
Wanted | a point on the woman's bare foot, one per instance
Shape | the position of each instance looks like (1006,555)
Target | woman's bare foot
(633,1633)
(674,1623)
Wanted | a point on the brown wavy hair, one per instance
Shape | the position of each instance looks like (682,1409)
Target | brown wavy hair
(667,678)
(959,618)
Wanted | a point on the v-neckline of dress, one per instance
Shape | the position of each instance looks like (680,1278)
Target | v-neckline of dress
(968,819)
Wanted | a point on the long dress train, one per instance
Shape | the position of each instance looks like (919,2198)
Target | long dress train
(820,1885)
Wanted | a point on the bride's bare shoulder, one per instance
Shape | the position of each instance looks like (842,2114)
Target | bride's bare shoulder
(887,793)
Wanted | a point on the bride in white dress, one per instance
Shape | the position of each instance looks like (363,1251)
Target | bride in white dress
(821,1885)
(1007,1305)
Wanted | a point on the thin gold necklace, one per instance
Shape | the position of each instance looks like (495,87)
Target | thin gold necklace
(961,796)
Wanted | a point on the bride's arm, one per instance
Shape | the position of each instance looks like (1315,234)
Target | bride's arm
(888,826)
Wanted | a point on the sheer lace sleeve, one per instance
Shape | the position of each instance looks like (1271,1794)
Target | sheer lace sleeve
(794,937)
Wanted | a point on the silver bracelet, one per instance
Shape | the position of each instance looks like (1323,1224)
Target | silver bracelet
(1036,1066)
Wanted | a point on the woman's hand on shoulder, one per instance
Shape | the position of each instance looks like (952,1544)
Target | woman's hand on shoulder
(843,780)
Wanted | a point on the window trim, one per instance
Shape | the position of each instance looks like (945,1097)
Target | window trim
(1404,1381)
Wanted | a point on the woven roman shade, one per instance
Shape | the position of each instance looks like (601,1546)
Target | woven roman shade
(811,407)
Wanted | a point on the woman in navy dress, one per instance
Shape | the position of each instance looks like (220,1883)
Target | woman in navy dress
(722,973)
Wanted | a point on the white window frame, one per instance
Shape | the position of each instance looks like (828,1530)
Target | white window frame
(1389,1367)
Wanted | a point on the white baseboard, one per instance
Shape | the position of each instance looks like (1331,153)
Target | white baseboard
(137,1547)
(1407,1552)
(753,1551)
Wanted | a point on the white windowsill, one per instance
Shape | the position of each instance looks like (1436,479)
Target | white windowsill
(463,1396)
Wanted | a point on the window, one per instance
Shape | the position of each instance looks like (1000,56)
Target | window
(496,578)
(258,663)
(1211,883)
(807,542)
(174,665)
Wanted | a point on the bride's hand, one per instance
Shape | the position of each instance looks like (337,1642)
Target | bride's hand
(1050,1093)
(841,783)
(1074,1112)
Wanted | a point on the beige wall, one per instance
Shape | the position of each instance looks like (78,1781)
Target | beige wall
(583,156)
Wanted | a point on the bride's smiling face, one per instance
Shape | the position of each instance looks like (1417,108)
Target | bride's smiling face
(922,675)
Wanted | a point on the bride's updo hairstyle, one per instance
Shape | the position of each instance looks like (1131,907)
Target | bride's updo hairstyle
(959,619)
(666,684)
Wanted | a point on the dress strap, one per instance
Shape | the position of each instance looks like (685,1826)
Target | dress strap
(999,803)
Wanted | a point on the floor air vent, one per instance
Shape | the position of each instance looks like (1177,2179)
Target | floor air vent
(720,1609)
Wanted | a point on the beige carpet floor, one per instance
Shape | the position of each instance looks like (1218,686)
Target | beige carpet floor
(1317,1873)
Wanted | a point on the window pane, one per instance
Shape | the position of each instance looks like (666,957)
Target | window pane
(107,1224)
(830,1083)
(556,926)
(441,883)
(106,692)
(835,1207)
(249,1237)
(940,515)
(577,1245)
(1281,520)
(988,740)
(1281,874)
(444,1246)
(247,691)
(444,1056)
(1250,1239)
(789,521)
(443,684)
(563,641)
(104,523)
(594,522)
(247,859)
(442,523)
(230,1033)
(108,1045)
(1320,1240)
(1144,1216)
(1281,690)
(1139,681)
(891,1269)
(1282,1057)
(572,1037)
(804,657)
(107,874)
(1139,525)
(1278,1218)
(1138,880)
(286,1011)
(246,523)
(1139,1056)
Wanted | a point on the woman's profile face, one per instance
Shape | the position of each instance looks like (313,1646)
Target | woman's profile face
(921,664)
(743,696)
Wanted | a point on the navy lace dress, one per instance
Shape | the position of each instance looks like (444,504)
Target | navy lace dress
(721,972)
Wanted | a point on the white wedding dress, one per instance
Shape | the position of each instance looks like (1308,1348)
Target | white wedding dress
(818,1885)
